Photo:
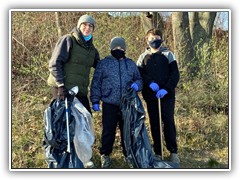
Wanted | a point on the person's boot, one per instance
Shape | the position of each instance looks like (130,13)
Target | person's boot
(105,161)
(174,158)
(157,157)
(89,164)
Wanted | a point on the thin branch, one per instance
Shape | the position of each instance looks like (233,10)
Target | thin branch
(21,44)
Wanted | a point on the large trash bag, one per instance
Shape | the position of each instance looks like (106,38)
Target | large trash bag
(55,135)
(56,158)
(84,131)
(136,140)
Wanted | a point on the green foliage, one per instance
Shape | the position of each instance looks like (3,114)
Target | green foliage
(208,90)
(212,163)
(201,104)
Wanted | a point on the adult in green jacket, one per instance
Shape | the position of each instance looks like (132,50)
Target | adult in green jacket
(72,59)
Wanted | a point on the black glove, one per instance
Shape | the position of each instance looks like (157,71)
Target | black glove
(62,92)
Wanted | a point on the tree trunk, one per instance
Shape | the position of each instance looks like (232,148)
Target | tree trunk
(183,48)
(151,20)
(191,40)
(207,21)
(146,19)
(58,24)
(201,25)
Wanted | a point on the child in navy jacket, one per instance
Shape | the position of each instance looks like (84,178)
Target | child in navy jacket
(113,75)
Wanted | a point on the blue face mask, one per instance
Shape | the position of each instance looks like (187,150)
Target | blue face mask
(87,38)
(155,44)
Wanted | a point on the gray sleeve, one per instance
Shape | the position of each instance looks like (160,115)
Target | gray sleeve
(59,57)
(140,60)
(170,56)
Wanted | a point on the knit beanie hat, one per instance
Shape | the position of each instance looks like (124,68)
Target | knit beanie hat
(85,18)
(117,41)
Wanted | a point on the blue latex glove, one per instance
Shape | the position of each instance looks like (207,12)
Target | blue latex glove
(161,93)
(96,107)
(154,86)
(134,86)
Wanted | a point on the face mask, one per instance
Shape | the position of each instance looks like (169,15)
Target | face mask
(87,38)
(118,54)
(155,44)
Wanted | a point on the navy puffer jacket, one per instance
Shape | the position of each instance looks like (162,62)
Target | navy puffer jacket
(111,78)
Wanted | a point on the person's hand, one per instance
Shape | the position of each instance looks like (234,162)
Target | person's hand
(96,107)
(161,93)
(62,92)
(154,86)
(134,86)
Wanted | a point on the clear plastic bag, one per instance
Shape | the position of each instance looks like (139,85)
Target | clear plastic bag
(84,131)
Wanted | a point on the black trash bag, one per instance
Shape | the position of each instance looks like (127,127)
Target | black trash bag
(62,159)
(55,136)
(135,136)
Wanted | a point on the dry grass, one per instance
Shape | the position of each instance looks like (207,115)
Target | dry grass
(202,141)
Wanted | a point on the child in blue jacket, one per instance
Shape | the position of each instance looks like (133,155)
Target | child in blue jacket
(113,75)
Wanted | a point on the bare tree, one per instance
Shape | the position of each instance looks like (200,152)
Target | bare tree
(58,24)
(183,48)
(201,26)
(191,36)
(151,20)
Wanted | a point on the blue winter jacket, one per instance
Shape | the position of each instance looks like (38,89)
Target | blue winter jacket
(111,78)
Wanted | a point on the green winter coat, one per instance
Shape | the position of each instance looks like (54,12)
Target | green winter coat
(72,61)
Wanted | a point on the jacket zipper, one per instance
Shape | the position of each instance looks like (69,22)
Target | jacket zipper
(120,78)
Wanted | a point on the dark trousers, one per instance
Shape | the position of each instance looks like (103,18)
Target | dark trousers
(167,111)
(83,99)
(111,118)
